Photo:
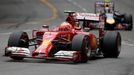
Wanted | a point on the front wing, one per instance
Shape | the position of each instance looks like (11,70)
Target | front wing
(60,55)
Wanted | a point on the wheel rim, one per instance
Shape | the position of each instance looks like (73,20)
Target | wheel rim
(24,40)
(87,48)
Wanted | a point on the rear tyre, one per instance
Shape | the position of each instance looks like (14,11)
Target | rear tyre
(81,43)
(111,44)
(129,21)
(18,39)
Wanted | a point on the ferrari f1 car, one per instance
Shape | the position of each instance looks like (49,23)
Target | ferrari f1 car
(114,20)
(63,43)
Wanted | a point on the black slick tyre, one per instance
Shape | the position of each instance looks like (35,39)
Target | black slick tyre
(18,39)
(129,21)
(81,43)
(111,44)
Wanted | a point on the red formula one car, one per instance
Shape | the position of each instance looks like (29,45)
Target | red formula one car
(65,42)
(113,19)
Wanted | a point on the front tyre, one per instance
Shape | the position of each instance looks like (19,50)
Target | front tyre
(81,43)
(18,39)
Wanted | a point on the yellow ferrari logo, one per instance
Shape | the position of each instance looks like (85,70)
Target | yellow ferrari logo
(46,42)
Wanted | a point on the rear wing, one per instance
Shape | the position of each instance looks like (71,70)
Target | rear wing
(90,20)
(103,4)
(87,16)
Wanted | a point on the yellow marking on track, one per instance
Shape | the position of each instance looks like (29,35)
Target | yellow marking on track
(53,9)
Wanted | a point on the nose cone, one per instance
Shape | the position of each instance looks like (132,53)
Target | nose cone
(44,48)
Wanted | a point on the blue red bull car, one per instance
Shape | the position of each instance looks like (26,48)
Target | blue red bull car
(114,20)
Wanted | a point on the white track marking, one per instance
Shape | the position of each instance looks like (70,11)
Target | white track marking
(127,44)
(8,33)
(129,40)
(5,33)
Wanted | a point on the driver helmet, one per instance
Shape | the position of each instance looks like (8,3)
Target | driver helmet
(65,26)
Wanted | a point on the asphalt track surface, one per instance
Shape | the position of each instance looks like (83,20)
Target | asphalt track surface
(26,15)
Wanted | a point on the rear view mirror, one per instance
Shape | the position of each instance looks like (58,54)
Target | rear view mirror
(45,27)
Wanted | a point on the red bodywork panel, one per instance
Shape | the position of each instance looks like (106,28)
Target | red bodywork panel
(46,45)
(49,36)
